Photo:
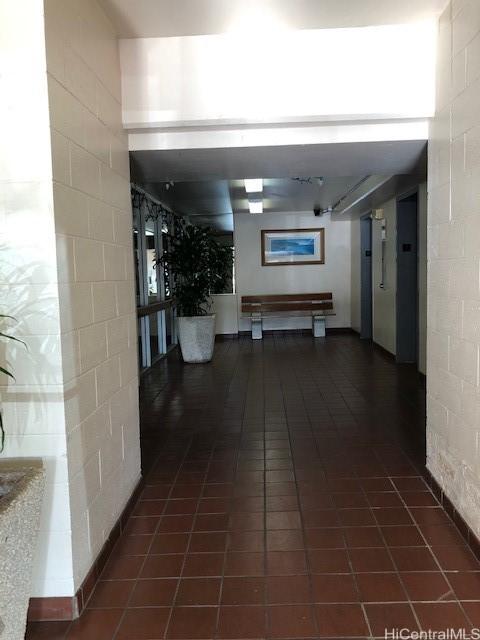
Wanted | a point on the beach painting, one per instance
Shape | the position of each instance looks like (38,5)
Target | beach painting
(293,247)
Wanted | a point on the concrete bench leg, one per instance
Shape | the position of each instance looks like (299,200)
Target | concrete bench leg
(318,326)
(257,333)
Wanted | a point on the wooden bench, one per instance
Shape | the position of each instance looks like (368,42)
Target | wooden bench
(315,305)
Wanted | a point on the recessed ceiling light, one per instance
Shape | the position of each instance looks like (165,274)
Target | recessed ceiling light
(255,206)
(253,185)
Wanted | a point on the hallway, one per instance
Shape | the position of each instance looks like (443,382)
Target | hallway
(283,499)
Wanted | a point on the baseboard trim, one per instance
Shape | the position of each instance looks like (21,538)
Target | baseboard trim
(69,608)
(470,537)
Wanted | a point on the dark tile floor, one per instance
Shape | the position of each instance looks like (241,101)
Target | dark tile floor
(283,499)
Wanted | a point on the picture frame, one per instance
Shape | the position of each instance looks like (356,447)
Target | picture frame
(281,247)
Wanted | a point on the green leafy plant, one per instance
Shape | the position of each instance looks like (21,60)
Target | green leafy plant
(4,370)
(197,267)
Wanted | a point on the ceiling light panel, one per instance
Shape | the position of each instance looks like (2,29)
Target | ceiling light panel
(253,185)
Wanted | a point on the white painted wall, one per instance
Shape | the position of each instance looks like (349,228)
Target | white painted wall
(453,355)
(225,308)
(93,224)
(221,78)
(253,278)
(384,299)
(356,281)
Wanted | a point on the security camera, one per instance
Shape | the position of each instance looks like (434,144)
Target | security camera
(317,211)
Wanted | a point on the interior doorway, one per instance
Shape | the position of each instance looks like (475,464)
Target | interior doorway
(407,279)
(366,329)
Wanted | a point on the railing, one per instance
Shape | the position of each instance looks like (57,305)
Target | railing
(154,307)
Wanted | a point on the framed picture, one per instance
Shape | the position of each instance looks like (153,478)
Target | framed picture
(293,246)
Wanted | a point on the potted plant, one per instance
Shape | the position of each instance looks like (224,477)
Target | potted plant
(197,267)
(21,490)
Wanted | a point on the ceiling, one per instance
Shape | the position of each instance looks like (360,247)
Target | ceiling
(161,18)
(208,183)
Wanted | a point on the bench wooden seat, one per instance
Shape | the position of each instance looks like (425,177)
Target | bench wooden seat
(315,305)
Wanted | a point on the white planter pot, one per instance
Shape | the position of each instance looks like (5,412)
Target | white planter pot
(21,494)
(196,336)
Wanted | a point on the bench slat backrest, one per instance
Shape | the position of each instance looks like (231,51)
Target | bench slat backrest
(288,297)
(316,302)
(286,306)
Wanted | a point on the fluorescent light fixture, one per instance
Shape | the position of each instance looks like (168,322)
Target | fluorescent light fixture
(255,206)
(253,185)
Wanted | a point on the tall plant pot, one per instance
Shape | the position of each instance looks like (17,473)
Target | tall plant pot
(21,493)
(196,335)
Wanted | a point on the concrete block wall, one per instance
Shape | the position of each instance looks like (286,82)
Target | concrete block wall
(453,336)
(93,225)
(33,404)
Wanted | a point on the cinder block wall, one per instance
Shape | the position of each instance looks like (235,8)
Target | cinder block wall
(93,225)
(453,421)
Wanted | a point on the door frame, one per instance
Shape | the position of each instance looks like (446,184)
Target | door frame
(366,278)
(399,358)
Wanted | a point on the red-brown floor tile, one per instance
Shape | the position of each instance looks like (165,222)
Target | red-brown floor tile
(282,503)
(175,524)
(186,506)
(47,630)
(199,565)
(285,540)
(248,590)
(466,585)
(192,622)
(321,518)
(213,541)
(403,536)
(380,587)
(246,541)
(211,522)
(329,561)
(334,588)
(132,545)
(340,620)
(198,591)
(370,560)
(167,566)
(244,564)
(363,537)
(153,593)
(95,623)
(255,504)
(283,520)
(241,622)
(456,558)
(288,589)
(356,517)
(413,559)
(440,616)
(390,616)
(149,508)
(392,516)
(442,534)
(286,563)
(246,521)
(122,568)
(111,593)
(169,543)
(291,621)
(426,586)
(142,525)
